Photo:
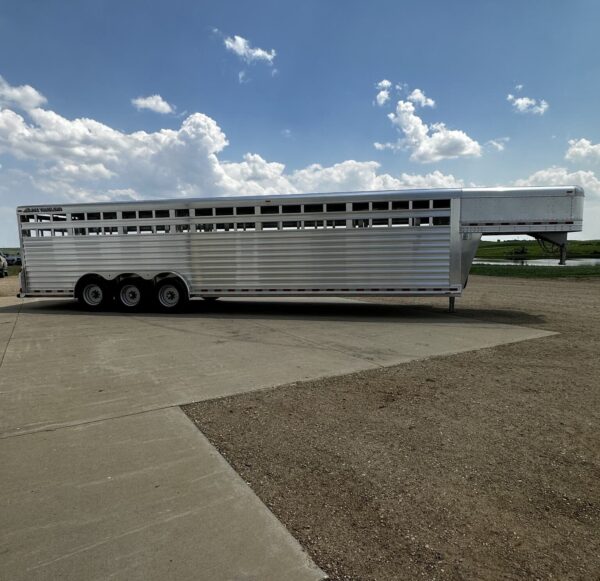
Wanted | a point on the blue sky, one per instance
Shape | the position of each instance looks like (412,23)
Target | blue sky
(298,87)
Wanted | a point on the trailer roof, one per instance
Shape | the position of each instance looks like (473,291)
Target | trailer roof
(356,195)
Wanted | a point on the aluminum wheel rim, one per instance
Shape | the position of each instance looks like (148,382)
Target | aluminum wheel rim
(93,295)
(130,295)
(168,296)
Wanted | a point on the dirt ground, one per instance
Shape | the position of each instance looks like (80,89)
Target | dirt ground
(9,286)
(483,465)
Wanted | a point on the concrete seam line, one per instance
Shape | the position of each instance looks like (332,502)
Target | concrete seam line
(11,333)
(86,422)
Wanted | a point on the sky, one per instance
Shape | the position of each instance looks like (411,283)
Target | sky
(112,100)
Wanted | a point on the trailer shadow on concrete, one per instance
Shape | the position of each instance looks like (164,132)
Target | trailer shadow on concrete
(329,309)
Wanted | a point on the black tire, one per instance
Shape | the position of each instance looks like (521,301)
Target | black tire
(131,294)
(170,295)
(93,293)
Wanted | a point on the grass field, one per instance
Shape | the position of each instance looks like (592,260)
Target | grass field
(531,249)
(536,271)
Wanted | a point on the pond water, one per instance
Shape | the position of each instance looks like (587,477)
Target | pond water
(540,262)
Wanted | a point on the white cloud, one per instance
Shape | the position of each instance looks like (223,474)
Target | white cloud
(418,97)
(583,150)
(242,78)
(83,154)
(435,179)
(383,146)
(153,103)
(560,176)
(362,175)
(528,105)
(242,48)
(83,160)
(382,97)
(428,143)
(518,87)
(23,97)
(498,144)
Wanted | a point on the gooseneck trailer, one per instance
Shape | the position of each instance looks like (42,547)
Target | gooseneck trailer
(392,243)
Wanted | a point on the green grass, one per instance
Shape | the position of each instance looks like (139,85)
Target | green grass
(14,270)
(536,271)
(528,249)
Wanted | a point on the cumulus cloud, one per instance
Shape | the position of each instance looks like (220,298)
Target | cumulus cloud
(428,143)
(560,176)
(242,48)
(383,94)
(153,103)
(23,97)
(363,175)
(583,150)
(382,97)
(418,97)
(86,154)
(527,105)
(83,160)
(498,144)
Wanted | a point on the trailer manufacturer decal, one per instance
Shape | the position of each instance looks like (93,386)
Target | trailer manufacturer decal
(41,209)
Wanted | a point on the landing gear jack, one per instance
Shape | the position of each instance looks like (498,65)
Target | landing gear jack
(563,255)
(451,301)
(558,239)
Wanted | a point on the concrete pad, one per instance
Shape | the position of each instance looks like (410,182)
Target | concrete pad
(142,497)
(64,366)
(141,494)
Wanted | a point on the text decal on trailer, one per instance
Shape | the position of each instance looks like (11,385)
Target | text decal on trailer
(48,209)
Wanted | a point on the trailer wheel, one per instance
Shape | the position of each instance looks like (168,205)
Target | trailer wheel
(170,295)
(93,294)
(131,294)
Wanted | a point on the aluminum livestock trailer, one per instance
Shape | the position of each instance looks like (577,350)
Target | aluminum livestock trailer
(393,243)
